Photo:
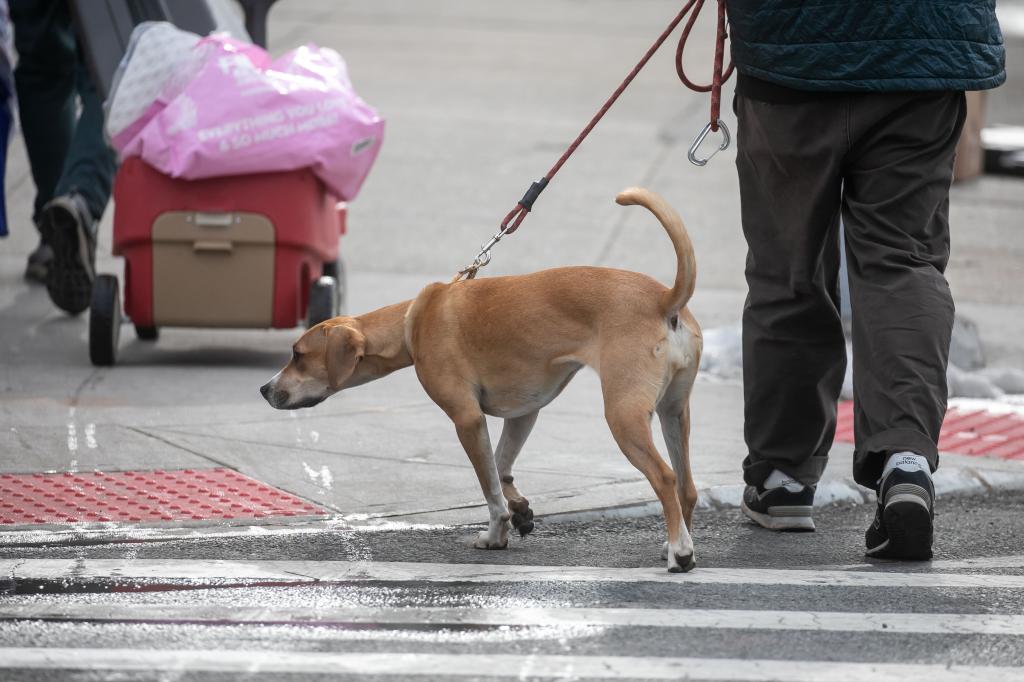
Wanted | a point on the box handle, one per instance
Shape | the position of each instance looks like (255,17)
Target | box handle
(214,219)
(210,246)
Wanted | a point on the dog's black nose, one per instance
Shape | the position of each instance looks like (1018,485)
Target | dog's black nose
(265,390)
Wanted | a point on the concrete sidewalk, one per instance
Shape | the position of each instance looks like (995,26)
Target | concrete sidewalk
(383,452)
(460,151)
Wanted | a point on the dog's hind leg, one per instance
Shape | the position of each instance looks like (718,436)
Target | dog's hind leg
(513,436)
(471,425)
(629,416)
(674,414)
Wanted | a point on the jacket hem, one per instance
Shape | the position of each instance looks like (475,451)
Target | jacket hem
(902,84)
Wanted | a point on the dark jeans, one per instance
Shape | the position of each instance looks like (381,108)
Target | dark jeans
(5,130)
(884,162)
(66,149)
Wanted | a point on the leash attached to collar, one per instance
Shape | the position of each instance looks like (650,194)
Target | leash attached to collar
(516,216)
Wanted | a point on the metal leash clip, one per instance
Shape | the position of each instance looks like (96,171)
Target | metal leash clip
(482,258)
(509,225)
(726,139)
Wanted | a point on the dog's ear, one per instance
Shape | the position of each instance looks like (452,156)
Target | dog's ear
(345,348)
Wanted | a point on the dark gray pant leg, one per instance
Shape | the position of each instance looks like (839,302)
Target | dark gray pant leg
(794,353)
(67,150)
(45,83)
(91,164)
(895,211)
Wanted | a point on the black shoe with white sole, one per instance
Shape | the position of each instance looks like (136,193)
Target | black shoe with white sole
(68,228)
(903,520)
(779,508)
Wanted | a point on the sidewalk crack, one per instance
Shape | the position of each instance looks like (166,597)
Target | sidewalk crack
(165,441)
(668,140)
(303,575)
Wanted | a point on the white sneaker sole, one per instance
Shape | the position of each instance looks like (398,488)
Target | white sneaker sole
(779,521)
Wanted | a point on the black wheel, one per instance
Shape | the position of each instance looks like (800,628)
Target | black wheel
(147,333)
(336,269)
(323,295)
(104,321)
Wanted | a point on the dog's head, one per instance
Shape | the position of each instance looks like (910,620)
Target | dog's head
(324,361)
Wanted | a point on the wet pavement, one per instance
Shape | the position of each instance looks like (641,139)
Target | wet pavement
(421,603)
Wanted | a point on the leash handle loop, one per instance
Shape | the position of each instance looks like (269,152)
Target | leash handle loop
(718,76)
(515,217)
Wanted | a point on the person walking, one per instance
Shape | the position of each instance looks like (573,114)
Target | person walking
(72,166)
(851,110)
(7,102)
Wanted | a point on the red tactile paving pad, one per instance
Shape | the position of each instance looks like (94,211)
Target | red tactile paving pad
(143,496)
(965,432)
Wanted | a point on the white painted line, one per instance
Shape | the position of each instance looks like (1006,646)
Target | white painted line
(826,621)
(438,666)
(210,570)
(54,534)
(980,563)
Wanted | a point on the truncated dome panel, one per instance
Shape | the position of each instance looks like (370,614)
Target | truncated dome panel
(144,496)
(964,432)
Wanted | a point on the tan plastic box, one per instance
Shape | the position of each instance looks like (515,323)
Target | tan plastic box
(213,270)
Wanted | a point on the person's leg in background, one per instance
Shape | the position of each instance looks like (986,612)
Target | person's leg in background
(7,100)
(45,83)
(69,221)
(895,211)
(71,162)
(794,352)
(6,123)
(90,163)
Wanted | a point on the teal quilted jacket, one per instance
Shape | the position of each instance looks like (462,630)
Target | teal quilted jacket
(868,45)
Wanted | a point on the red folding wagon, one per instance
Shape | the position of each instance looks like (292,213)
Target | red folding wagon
(251,251)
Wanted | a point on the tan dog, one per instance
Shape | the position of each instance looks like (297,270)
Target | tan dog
(506,346)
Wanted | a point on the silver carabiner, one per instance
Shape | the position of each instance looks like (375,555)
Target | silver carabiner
(482,259)
(726,139)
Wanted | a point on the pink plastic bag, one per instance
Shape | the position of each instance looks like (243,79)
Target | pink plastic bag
(243,113)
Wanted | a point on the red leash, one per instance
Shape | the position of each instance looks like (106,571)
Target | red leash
(718,77)
(516,216)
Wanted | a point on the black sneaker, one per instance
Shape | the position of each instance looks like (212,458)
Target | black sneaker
(39,262)
(903,519)
(779,508)
(68,227)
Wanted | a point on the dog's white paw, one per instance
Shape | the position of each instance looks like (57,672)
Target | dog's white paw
(680,563)
(678,556)
(484,541)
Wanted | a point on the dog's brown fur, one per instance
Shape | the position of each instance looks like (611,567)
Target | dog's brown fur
(507,346)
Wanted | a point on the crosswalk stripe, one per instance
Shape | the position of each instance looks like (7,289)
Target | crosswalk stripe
(435,666)
(299,572)
(979,563)
(832,621)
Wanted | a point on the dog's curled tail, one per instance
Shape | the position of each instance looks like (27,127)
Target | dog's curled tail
(686,263)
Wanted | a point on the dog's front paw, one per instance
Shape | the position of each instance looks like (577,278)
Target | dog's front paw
(484,541)
(522,516)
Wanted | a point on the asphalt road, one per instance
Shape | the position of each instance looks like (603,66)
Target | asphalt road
(572,601)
